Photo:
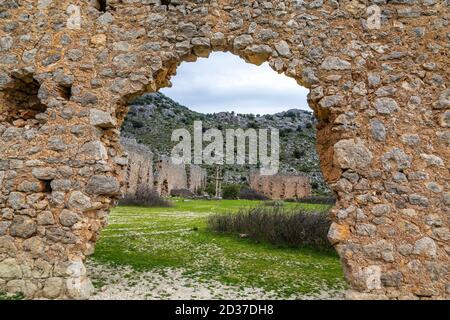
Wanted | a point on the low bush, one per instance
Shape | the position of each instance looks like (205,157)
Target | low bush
(144,197)
(251,194)
(211,189)
(276,225)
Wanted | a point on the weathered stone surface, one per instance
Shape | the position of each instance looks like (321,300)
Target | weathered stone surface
(201,46)
(101,119)
(386,105)
(334,63)
(392,279)
(22,227)
(17,200)
(366,229)
(352,154)
(419,200)
(45,218)
(283,49)
(103,185)
(61,185)
(9,268)
(378,130)
(68,218)
(242,42)
(426,247)
(78,285)
(44,173)
(30,186)
(396,159)
(444,100)
(34,245)
(432,160)
(79,201)
(371,277)
(258,54)
(338,233)
(331,101)
(94,150)
(380,250)
(380,210)
(53,288)
(4,225)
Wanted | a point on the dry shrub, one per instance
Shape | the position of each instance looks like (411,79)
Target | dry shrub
(144,197)
(276,225)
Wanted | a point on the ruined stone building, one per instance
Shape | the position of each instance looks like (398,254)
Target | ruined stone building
(197,178)
(158,173)
(379,83)
(281,186)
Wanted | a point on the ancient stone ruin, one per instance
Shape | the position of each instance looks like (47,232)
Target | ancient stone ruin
(281,186)
(379,86)
(146,172)
(139,172)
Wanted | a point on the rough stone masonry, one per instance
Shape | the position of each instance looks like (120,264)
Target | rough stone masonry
(68,68)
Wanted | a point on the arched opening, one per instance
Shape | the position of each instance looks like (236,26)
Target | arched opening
(189,223)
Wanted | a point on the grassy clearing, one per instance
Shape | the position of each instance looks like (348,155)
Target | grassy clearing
(178,238)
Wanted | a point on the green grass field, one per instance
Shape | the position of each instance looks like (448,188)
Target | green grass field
(177,237)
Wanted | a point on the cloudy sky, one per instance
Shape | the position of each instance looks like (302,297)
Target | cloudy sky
(224,82)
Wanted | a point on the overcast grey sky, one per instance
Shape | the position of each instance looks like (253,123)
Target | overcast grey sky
(225,82)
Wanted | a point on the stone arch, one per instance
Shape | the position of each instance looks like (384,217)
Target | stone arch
(381,97)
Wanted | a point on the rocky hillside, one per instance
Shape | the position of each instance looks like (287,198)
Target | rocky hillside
(153,117)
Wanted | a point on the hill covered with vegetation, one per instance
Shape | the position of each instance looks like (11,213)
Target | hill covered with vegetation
(153,117)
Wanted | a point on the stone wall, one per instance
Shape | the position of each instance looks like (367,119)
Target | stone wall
(381,97)
(281,186)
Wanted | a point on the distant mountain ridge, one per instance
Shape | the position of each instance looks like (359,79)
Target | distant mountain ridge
(153,117)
